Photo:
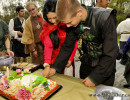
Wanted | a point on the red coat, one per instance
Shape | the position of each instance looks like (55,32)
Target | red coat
(50,53)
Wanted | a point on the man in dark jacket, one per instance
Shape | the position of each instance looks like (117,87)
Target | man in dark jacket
(97,28)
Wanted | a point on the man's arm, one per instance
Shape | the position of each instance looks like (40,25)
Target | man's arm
(65,50)
(7,39)
(7,45)
(107,64)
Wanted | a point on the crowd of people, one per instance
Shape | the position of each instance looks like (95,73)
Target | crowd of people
(51,37)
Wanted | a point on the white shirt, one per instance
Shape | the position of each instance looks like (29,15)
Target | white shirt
(13,33)
(124,26)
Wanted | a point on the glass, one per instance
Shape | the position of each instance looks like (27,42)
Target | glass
(31,10)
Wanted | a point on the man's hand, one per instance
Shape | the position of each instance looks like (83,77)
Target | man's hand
(19,33)
(68,63)
(88,82)
(11,53)
(52,72)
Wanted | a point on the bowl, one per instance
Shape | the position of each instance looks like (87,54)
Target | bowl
(3,68)
(5,61)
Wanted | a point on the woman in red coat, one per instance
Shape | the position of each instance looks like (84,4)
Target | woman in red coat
(53,36)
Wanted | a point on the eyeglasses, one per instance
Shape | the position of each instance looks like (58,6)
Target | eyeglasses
(31,10)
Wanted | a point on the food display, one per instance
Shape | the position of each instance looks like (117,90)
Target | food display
(22,85)
(26,66)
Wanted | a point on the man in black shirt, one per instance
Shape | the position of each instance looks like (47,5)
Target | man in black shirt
(97,28)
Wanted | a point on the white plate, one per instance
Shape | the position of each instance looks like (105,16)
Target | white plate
(110,93)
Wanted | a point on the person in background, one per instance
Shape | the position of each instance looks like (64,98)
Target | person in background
(123,30)
(32,30)
(53,36)
(126,58)
(16,31)
(99,41)
(4,39)
(102,3)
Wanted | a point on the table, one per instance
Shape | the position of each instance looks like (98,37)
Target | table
(72,89)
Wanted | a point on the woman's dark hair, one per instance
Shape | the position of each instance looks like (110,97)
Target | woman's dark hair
(55,39)
(128,15)
(49,6)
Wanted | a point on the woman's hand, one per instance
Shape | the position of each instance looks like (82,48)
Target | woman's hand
(46,71)
(39,14)
(68,63)
(35,54)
